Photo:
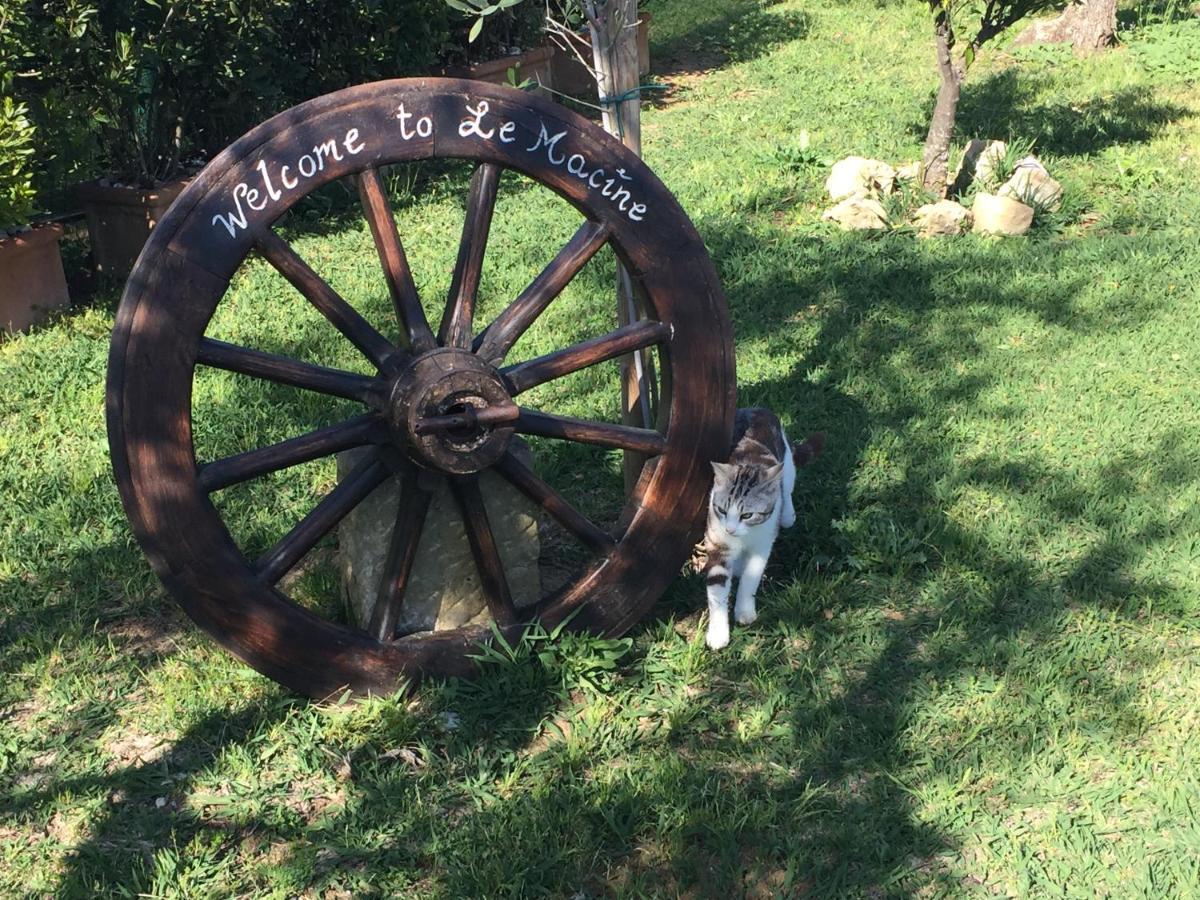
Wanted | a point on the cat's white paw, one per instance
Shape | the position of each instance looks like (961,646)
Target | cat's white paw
(745,616)
(787,518)
(716,639)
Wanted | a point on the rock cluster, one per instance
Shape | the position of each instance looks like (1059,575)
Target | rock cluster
(1001,206)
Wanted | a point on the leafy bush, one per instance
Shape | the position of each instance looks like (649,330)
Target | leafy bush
(157,84)
(16,146)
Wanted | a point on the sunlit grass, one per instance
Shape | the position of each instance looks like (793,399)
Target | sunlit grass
(976,668)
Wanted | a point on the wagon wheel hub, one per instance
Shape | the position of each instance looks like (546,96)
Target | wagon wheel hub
(451,412)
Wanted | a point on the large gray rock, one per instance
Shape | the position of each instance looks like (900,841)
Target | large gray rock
(943,217)
(1000,215)
(857,214)
(443,590)
(856,176)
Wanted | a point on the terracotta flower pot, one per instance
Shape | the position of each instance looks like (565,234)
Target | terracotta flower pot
(120,219)
(535,64)
(32,282)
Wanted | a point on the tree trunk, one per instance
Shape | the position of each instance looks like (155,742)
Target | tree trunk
(936,157)
(1088,25)
(613,26)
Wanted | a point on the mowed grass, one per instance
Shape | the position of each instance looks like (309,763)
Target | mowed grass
(976,668)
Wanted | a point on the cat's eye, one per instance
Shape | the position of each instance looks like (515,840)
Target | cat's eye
(721,510)
(746,516)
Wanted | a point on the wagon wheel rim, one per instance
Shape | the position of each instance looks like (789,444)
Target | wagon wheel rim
(447,402)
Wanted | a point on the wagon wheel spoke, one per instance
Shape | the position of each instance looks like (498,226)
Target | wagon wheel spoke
(460,306)
(483,548)
(361,333)
(533,487)
(409,313)
(284,370)
(241,467)
(583,431)
(587,353)
(402,553)
(350,491)
(493,345)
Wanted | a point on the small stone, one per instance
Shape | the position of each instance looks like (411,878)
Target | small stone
(1000,215)
(1032,185)
(857,214)
(1031,162)
(909,172)
(978,163)
(989,160)
(943,217)
(856,176)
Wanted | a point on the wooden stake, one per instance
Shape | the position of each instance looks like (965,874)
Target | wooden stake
(613,27)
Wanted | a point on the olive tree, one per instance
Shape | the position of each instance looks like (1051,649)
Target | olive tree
(954,20)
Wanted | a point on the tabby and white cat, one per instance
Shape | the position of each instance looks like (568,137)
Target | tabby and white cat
(750,501)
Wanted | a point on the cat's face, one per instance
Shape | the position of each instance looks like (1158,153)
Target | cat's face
(743,496)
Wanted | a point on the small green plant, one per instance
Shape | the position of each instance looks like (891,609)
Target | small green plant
(800,155)
(1171,49)
(480,10)
(902,202)
(564,657)
(1071,207)
(1005,164)
(513,76)
(16,150)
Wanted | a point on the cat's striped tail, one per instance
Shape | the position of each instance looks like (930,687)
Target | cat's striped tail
(809,449)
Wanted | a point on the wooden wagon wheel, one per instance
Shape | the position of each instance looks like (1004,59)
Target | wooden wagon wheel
(439,402)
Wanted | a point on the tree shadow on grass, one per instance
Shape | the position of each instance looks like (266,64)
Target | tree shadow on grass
(887,340)
(712,40)
(696,807)
(1007,104)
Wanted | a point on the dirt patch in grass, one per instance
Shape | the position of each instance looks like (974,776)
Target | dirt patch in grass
(681,72)
(147,637)
(131,748)
(310,799)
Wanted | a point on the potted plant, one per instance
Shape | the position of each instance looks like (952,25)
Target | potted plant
(169,84)
(139,62)
(32,281)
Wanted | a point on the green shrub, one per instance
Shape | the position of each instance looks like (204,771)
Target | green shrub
(16,146)
(142,91)
(157,84)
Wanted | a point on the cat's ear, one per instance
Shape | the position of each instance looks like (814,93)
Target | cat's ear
(723,471)
(773,473)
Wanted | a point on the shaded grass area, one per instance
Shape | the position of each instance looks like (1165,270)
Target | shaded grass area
(976,667)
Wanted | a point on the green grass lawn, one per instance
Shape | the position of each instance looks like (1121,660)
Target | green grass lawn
(977,667)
